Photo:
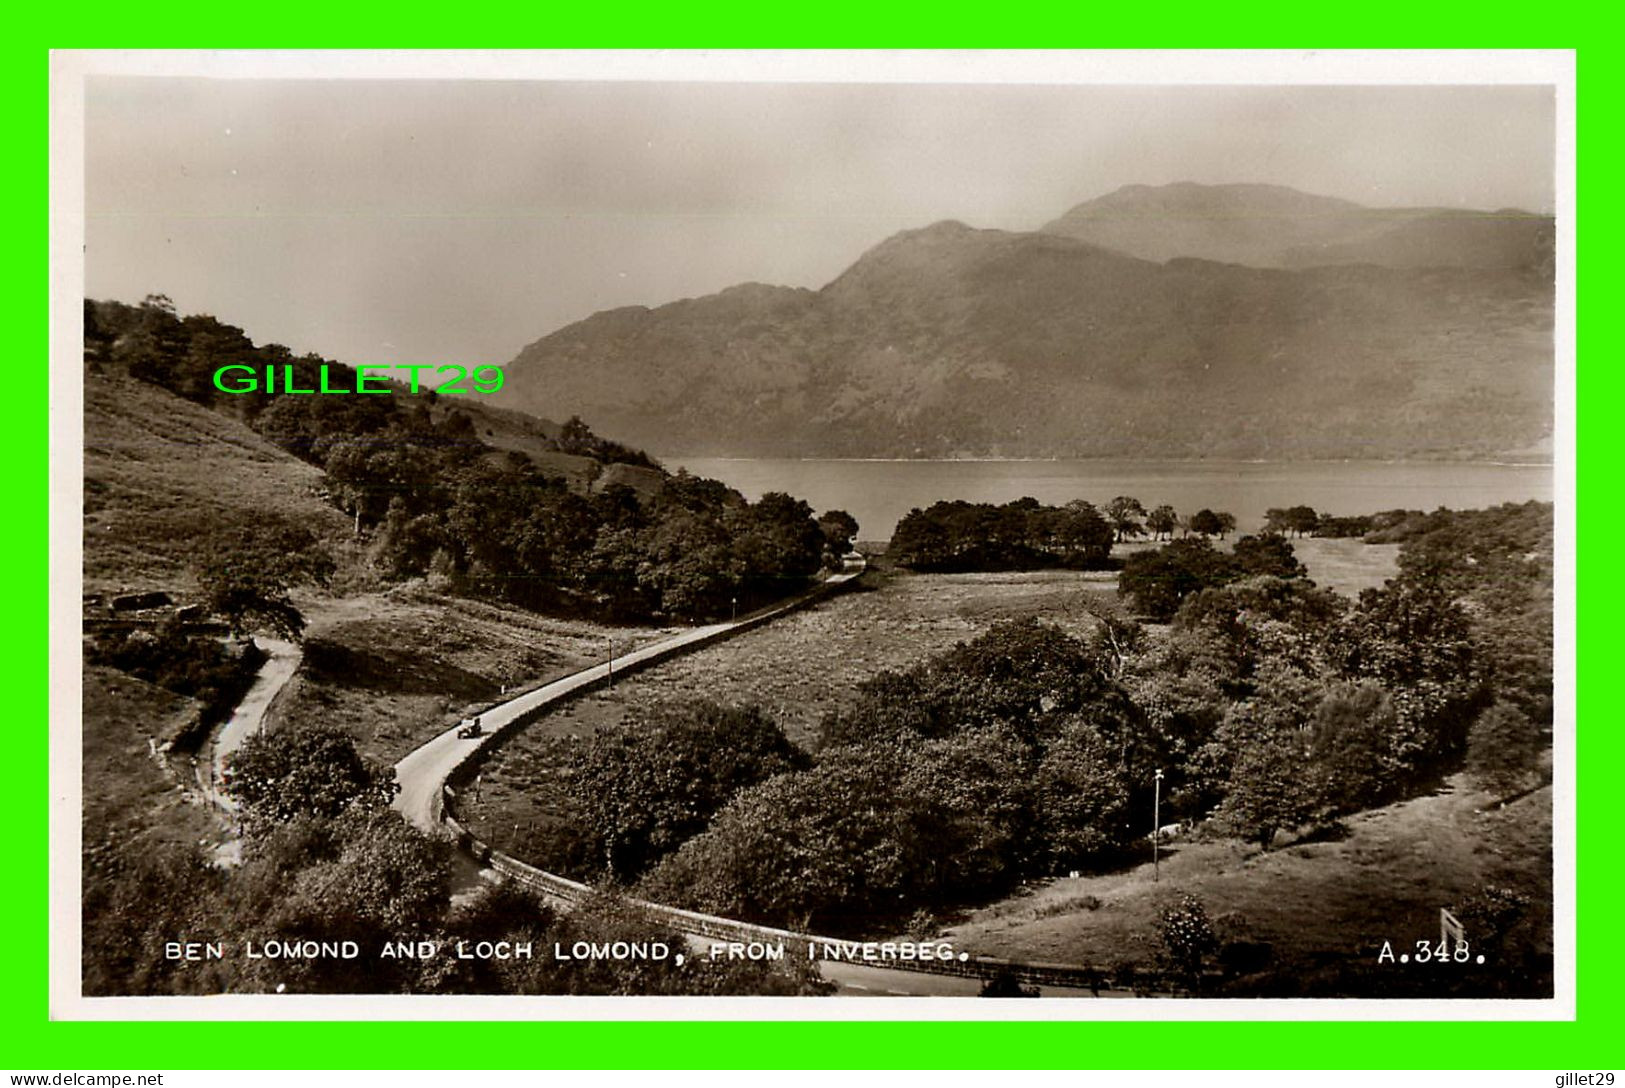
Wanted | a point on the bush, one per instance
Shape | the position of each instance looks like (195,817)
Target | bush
(1187,939)
(1005,984)
(1503,749)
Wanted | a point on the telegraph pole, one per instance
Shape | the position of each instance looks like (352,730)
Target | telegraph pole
(1156,827)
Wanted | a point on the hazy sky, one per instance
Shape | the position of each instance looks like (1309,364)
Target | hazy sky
(431,222)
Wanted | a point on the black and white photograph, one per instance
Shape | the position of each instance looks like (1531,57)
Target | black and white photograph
(735,532)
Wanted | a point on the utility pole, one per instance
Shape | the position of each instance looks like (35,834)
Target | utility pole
(611,664)
(1156,827)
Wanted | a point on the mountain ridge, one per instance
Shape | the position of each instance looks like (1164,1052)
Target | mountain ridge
(952,340)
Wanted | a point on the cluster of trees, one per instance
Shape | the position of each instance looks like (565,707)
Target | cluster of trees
(1019,535)
(501,527)
(1013,754)
(1157,582)
(155,344)
(1129,518)
(1385,527)
(433,498)
(642,790)
(1027,535)
(325,859)
(1268,703)
(1296,520)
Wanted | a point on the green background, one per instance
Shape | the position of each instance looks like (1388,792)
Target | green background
(29,1040)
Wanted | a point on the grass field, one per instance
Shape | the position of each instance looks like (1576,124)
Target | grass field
(805,664)
(1347,566)
(1315,902)
(396,668)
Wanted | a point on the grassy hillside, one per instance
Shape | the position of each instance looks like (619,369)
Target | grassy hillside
(1325,906)
(130,800)
(397,668)
(163,475)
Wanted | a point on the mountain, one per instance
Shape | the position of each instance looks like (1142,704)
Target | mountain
(953,341)
(1275,227)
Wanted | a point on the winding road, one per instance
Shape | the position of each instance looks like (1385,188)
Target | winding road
(423,773)
(282,660)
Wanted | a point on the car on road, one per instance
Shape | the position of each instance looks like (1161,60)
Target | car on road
(470,728)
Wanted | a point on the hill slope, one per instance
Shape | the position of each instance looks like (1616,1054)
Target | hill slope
(163,475)
(950,341)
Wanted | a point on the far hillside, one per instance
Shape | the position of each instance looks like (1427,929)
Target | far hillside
(1272,226)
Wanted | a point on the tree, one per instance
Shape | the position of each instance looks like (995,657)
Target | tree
(247,598)
(1415,641)
(1503,749)
(839,529)
(1227,523)
(1163,521)
(1267,554)
(1081,535)
(1352,738)
(1081,796)
(646,788)
(1302,519)
(1021,673)
(1157,581)
(1271,784)
(834,847)
(387,876)
(1125,514)
(1206,522)
(974,792)
(1187,939)
(247,576)
(311,770)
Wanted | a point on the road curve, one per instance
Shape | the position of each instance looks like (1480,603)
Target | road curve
(281,662)
(423,772)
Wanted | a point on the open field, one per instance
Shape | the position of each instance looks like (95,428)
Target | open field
(1315,902)
(398,667)
(1347,565)
(803,665)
